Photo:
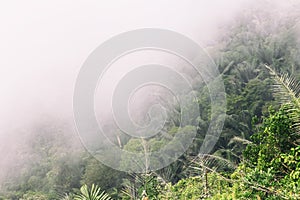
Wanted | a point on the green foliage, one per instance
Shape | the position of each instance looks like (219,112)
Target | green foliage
(191,188)
(35,196)
(195,187)
(151,186)
(68,196)
(99,174)
(249,56)
(94,193)
(274,138)
(271,170)
(139,185)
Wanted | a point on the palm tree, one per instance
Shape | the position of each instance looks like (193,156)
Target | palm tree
(287,91)
(92,194)
(69,196)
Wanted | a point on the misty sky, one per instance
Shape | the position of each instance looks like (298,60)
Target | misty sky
(44,43)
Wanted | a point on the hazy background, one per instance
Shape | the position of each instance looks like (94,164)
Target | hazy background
(44,43)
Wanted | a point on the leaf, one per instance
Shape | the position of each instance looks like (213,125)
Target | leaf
(92,194)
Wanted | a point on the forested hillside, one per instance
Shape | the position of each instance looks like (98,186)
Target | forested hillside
(256,157)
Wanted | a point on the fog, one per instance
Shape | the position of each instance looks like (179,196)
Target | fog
(43,45)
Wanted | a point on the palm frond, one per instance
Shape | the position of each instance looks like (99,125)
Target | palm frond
(212,163)
(132,184)
(241,140)
(286,87)
(66,196)
(287,90)
(94,193)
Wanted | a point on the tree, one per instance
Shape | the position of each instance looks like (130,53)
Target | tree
(94,193)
